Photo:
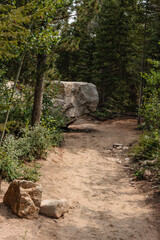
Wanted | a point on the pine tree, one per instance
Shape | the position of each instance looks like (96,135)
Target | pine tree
(77,45)
(115,49)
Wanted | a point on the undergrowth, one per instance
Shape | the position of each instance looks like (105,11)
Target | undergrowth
(18,154)
(147,152)
(24,144)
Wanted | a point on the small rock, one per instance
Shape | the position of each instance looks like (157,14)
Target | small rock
(126,165)
(108,151)
(119,162)
(147,174)
(132,183)
(133,179)
(125,148)
(54,208)
(24,198)
(118,146)
(127,159)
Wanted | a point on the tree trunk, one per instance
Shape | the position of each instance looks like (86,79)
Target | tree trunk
(38,94)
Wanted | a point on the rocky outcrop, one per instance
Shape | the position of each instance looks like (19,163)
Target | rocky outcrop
(24,198)
(54,208)
(76,98)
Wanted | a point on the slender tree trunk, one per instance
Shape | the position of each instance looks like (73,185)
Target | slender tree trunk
(38,94)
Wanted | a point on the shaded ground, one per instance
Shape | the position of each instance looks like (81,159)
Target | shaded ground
(105,203)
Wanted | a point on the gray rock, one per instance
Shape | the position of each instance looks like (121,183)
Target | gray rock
(119,161)
(24,198)
(125,148)
(76,99)
(118,146)
(54,208)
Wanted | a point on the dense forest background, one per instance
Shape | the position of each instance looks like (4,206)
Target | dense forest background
(111,43)
(106,43)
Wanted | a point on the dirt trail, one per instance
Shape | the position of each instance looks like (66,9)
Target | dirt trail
(105,204)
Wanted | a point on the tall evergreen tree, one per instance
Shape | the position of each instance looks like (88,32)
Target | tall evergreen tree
(115,49)
(77,45)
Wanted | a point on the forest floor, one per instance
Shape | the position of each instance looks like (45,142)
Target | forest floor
(106,203)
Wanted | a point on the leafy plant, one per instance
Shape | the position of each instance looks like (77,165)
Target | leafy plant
(52,117)
(139,173)
(12,168)
(31,145)
(19,115)
(148,146)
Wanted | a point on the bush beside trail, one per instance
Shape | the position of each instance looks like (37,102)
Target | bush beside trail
(147,152)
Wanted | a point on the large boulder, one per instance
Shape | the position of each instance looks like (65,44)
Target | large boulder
(76,99)
(54,208)
(24,198)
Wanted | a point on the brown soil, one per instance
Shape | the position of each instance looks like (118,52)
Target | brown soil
(106,204)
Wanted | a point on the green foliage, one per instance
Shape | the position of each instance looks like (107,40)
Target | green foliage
(103,48)
(13,30)
(139,174)
(53,118)
(28,25)
(150,110)
(12,127)
(54,122)
(11,168)
(22,99)
(148,146)
(115,52)
(105,113)
(31,145)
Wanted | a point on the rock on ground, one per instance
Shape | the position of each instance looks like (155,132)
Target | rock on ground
(54,208)
(76,99)
(24,198)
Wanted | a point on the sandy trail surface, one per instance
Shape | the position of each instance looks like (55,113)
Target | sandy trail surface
(105,204)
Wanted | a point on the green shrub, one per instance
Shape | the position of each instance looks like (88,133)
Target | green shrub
(26,143)
(150,110)
(31,145)
(54,122)
(148,146)
(20,105)
(104,113)
(53,118)
(12,168)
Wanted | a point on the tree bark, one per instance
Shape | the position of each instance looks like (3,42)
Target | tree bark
(38,94)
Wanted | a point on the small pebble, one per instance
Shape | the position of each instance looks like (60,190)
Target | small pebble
(125,148)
